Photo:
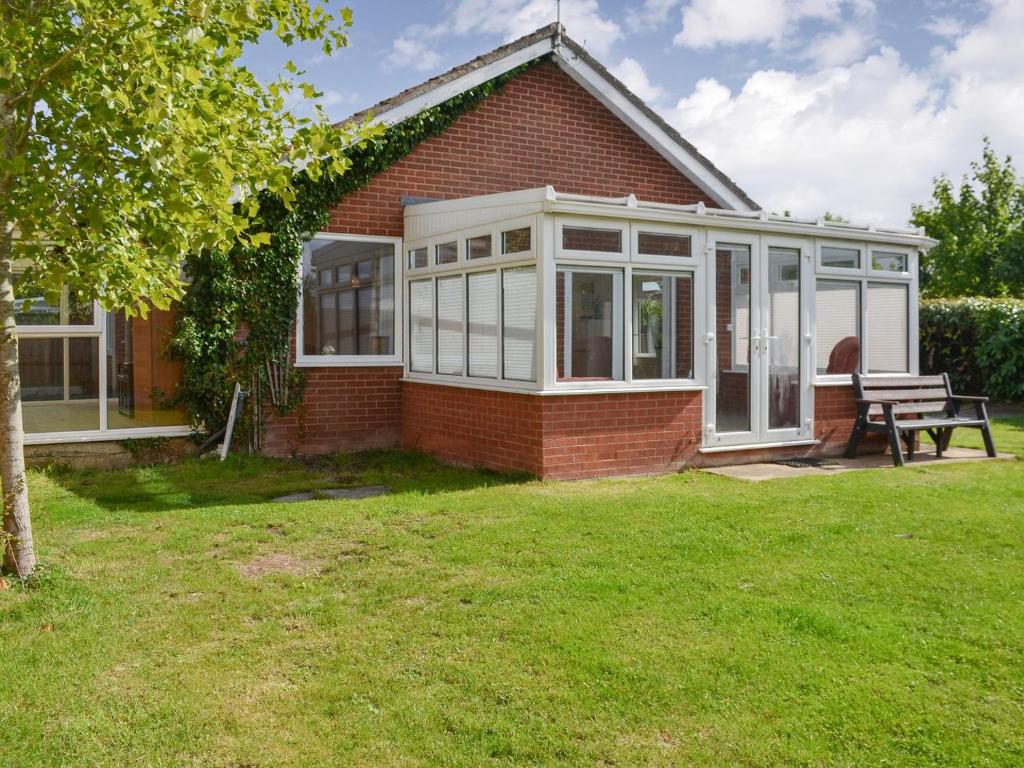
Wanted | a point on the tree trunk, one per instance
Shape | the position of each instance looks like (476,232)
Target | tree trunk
(19,553)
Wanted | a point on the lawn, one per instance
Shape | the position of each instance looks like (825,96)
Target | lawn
(183,619)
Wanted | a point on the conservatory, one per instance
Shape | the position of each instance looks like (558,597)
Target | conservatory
(746,318)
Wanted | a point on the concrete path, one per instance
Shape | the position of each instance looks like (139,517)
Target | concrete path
(768,471)
(362,492)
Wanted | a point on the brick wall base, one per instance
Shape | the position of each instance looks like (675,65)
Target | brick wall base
(579,436)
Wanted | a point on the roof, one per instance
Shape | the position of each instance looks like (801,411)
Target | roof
(572,58)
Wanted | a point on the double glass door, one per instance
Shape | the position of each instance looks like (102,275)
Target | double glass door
(757,342)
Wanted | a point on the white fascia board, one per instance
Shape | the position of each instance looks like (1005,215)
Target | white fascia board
(732,222)
(684,161)
(497,200)
(462,84)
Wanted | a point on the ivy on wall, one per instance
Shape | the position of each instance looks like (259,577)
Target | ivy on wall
(237,317)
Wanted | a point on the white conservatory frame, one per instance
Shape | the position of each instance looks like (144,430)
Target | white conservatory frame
(548,212)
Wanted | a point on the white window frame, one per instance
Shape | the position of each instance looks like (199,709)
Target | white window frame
(572,222)
(860,247)
(406,260)
(62,329)
(638,259)
(905,252)
(522,222)
(621,329)
(303,360)
(466,235)
(697,290)
(460,251)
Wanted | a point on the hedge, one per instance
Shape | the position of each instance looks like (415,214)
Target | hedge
(979,342)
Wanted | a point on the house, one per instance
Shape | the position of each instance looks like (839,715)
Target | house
(558,283)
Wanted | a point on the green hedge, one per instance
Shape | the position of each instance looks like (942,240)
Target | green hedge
(978,342)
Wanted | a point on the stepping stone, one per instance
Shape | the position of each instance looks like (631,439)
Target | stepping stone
(362,492)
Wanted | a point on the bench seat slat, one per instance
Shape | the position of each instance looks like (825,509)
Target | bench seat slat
(906,394)
(927,407)
(901,382)
(912,425)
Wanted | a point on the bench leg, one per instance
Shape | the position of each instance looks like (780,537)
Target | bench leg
(855,436)
(990,445)
(910,439)
(947,436)
(936,436)
(894,438)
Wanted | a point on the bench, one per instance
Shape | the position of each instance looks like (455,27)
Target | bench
(900,406)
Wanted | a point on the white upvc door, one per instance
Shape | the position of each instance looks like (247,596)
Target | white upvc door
(759,374)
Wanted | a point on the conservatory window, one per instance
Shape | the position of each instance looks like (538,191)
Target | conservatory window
(446,253)
(450,344)
(348,289)
(589,325)
(421,326)
(662,326)
(837,325)
(837,257)
(516,241)
(519,323)
(479,247)
(888,309)
(592,239)
(888,261)
(482,310)
(659,244)
(418,258)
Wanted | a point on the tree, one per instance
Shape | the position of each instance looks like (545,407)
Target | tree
(131,135)
(980,229)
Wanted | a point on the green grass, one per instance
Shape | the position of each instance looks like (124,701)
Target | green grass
(864,619)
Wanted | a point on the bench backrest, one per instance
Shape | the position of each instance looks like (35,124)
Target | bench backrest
(913,394)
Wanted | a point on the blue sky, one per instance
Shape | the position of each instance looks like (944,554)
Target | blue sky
(851,106)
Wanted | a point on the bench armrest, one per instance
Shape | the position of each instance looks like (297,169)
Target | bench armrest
(970,398)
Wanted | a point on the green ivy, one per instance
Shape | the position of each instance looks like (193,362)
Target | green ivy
(978,342)
(239,307)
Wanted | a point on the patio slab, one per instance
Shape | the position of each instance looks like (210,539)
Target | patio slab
(362,492)
(769,471)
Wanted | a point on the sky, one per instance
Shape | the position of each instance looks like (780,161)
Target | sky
(846,106)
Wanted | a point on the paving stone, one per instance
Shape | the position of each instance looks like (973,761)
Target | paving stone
(361,492)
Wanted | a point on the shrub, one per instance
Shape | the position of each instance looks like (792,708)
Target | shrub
(979,342)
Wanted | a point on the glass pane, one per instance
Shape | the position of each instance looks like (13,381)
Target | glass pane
(141,380)
(483,324)
(60,384)
(450,340)
(519,320)
(447,253)
(479,247)
(418,258)
(592,239)
(588,310)
(654,244)
(887,328)
(732,332)
(840,258)
(30,306)
(421,326)
(337,318)
(80,311)
(515,240)
(662,326)
(783,338)
(837,326)
(888,261)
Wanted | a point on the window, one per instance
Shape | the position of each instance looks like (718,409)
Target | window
(32,309)
(519,323)
(888,261)
(348,289)
(662,326)
(835,257)
(450,344)
(589,325)
(888,308)
(516,241)
(592,239)
(418,258)
(421,326)
(837,325)
(657,244)
(480,247)
(482,300)
(446,253)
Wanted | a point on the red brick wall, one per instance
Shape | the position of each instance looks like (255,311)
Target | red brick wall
(478,427)
(541,128)
(344,409)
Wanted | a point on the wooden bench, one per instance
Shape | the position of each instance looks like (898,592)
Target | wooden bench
(900,406)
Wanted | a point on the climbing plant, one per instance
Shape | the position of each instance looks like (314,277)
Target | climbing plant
(236,319)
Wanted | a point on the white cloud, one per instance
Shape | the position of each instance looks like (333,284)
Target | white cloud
(633,76)
(843,46)
(412,50)
(944,26)
(708,23)
(865,139)
(650,15)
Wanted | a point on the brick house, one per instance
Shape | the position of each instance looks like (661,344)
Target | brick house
(559,283)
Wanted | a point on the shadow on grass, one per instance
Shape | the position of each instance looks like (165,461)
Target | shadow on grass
(197,483)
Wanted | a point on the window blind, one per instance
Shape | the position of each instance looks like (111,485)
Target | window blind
(836,315)
(519,318)
(887,328)
(421,326)
(450,338)
(483,324)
